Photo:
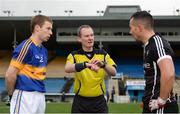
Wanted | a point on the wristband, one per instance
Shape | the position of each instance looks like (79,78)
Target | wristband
(80,66)
(161,102)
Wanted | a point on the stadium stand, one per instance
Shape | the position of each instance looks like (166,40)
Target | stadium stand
(71,90)
(114,35)
(54,85)
(55,68)
(2,85)
(68,84)
(112,83)
(177,67)
(131,67)
(5,57)
(176,86)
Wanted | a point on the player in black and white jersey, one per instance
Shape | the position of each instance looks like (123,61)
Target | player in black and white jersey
(158,65)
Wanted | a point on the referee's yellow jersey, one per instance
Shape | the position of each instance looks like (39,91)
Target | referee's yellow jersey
(89,83)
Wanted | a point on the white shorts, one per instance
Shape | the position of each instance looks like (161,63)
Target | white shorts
(24,102)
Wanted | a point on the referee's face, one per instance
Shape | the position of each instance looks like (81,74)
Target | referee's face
(134,30)
(87,39)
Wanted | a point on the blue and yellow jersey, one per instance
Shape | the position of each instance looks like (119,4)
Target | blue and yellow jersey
(31,60)
(89,83)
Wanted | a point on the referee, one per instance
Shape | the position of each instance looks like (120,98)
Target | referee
(158,65)
(90,66)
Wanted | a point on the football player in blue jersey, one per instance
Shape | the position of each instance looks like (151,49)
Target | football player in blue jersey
(27,69)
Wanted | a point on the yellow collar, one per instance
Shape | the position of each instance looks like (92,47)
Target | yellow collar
(34,41)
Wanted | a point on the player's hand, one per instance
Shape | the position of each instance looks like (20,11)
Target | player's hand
(9,100)
(153,104)
(156,103)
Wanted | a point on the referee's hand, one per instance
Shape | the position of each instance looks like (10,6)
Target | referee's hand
(93,67)
(99,63)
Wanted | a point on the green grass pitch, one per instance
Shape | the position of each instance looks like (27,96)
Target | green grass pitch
(66,108)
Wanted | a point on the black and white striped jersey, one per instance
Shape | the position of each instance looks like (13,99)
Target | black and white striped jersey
(156,49)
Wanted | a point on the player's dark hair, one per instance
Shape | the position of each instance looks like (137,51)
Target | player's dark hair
(145,17)
(39,20)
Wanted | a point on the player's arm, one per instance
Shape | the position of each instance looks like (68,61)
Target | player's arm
(19,59)
(10,79)
(166,66)
(111,70)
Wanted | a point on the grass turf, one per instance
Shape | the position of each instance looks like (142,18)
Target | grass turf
(66,108)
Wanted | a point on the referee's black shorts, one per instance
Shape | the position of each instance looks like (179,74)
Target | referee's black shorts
(89,104)
(171,106)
